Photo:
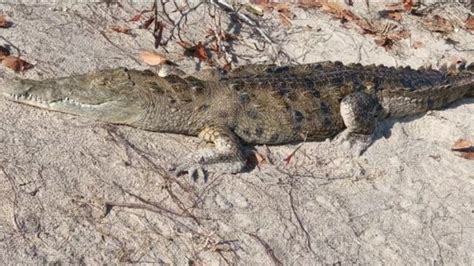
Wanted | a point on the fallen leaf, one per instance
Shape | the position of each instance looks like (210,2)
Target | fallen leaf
(285,20)
(152,58)
(147,23)
(227,67)
(4,52)
(469,23)
(390,36)
(309,4)
(4,23)
(417,44)
(337,11)
(394,6)
(201,52)
(197,50)
(383,41)
(260,159)
(407,5)
(284,8)
(15,63)
(365,26)
(137,17)
(465,148)
(121,29)
(438,24)
(392,14)
(254,9)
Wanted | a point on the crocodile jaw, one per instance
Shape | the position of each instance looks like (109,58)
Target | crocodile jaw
(77,101)
(24,91)
(31,99)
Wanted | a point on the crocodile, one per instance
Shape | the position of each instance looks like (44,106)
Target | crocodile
(253,104)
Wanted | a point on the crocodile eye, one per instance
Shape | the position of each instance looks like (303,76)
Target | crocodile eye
(298,116)
(197,89)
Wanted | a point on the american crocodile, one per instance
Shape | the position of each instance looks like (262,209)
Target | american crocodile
(254,104)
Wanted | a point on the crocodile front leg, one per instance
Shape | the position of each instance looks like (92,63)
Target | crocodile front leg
(359,112)
(225,157)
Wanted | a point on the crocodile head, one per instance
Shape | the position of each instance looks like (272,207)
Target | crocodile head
(107,95)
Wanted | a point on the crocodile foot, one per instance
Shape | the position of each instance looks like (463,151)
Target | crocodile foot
(224,158)
(359,112)
(354,143)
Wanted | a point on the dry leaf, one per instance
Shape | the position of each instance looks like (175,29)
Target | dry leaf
(197,50)
(465,148)
(284,8)
(285,20)
(438,24)
(259,159)
(394,6)
(201,52)
(417,44)
(254,9)
(390,37)
(227,67)
(137,17)
(407,5)
(147,23)
(469,23)
(4,23)
(338,11)
(152,58)
(395,15)
(121,29)
(15,63)
(309,4)
(383,41)
(4,52)
(365,26)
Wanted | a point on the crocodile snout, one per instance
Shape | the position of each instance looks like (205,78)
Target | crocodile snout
(15,88)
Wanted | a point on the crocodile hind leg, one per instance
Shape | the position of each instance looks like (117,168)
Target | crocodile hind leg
(224,157)
(359,112)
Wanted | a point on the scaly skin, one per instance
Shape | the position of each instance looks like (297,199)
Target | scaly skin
(256,104)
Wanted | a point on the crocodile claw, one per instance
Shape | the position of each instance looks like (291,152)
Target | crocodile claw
(355,144)
(203,161)
(195,170)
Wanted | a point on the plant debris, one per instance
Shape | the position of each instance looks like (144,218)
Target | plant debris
(121,29)
(4,23)
(417,44)
(198,50)
(465,148)
(154,58)
(15,63)
(469,23)
(438,24)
